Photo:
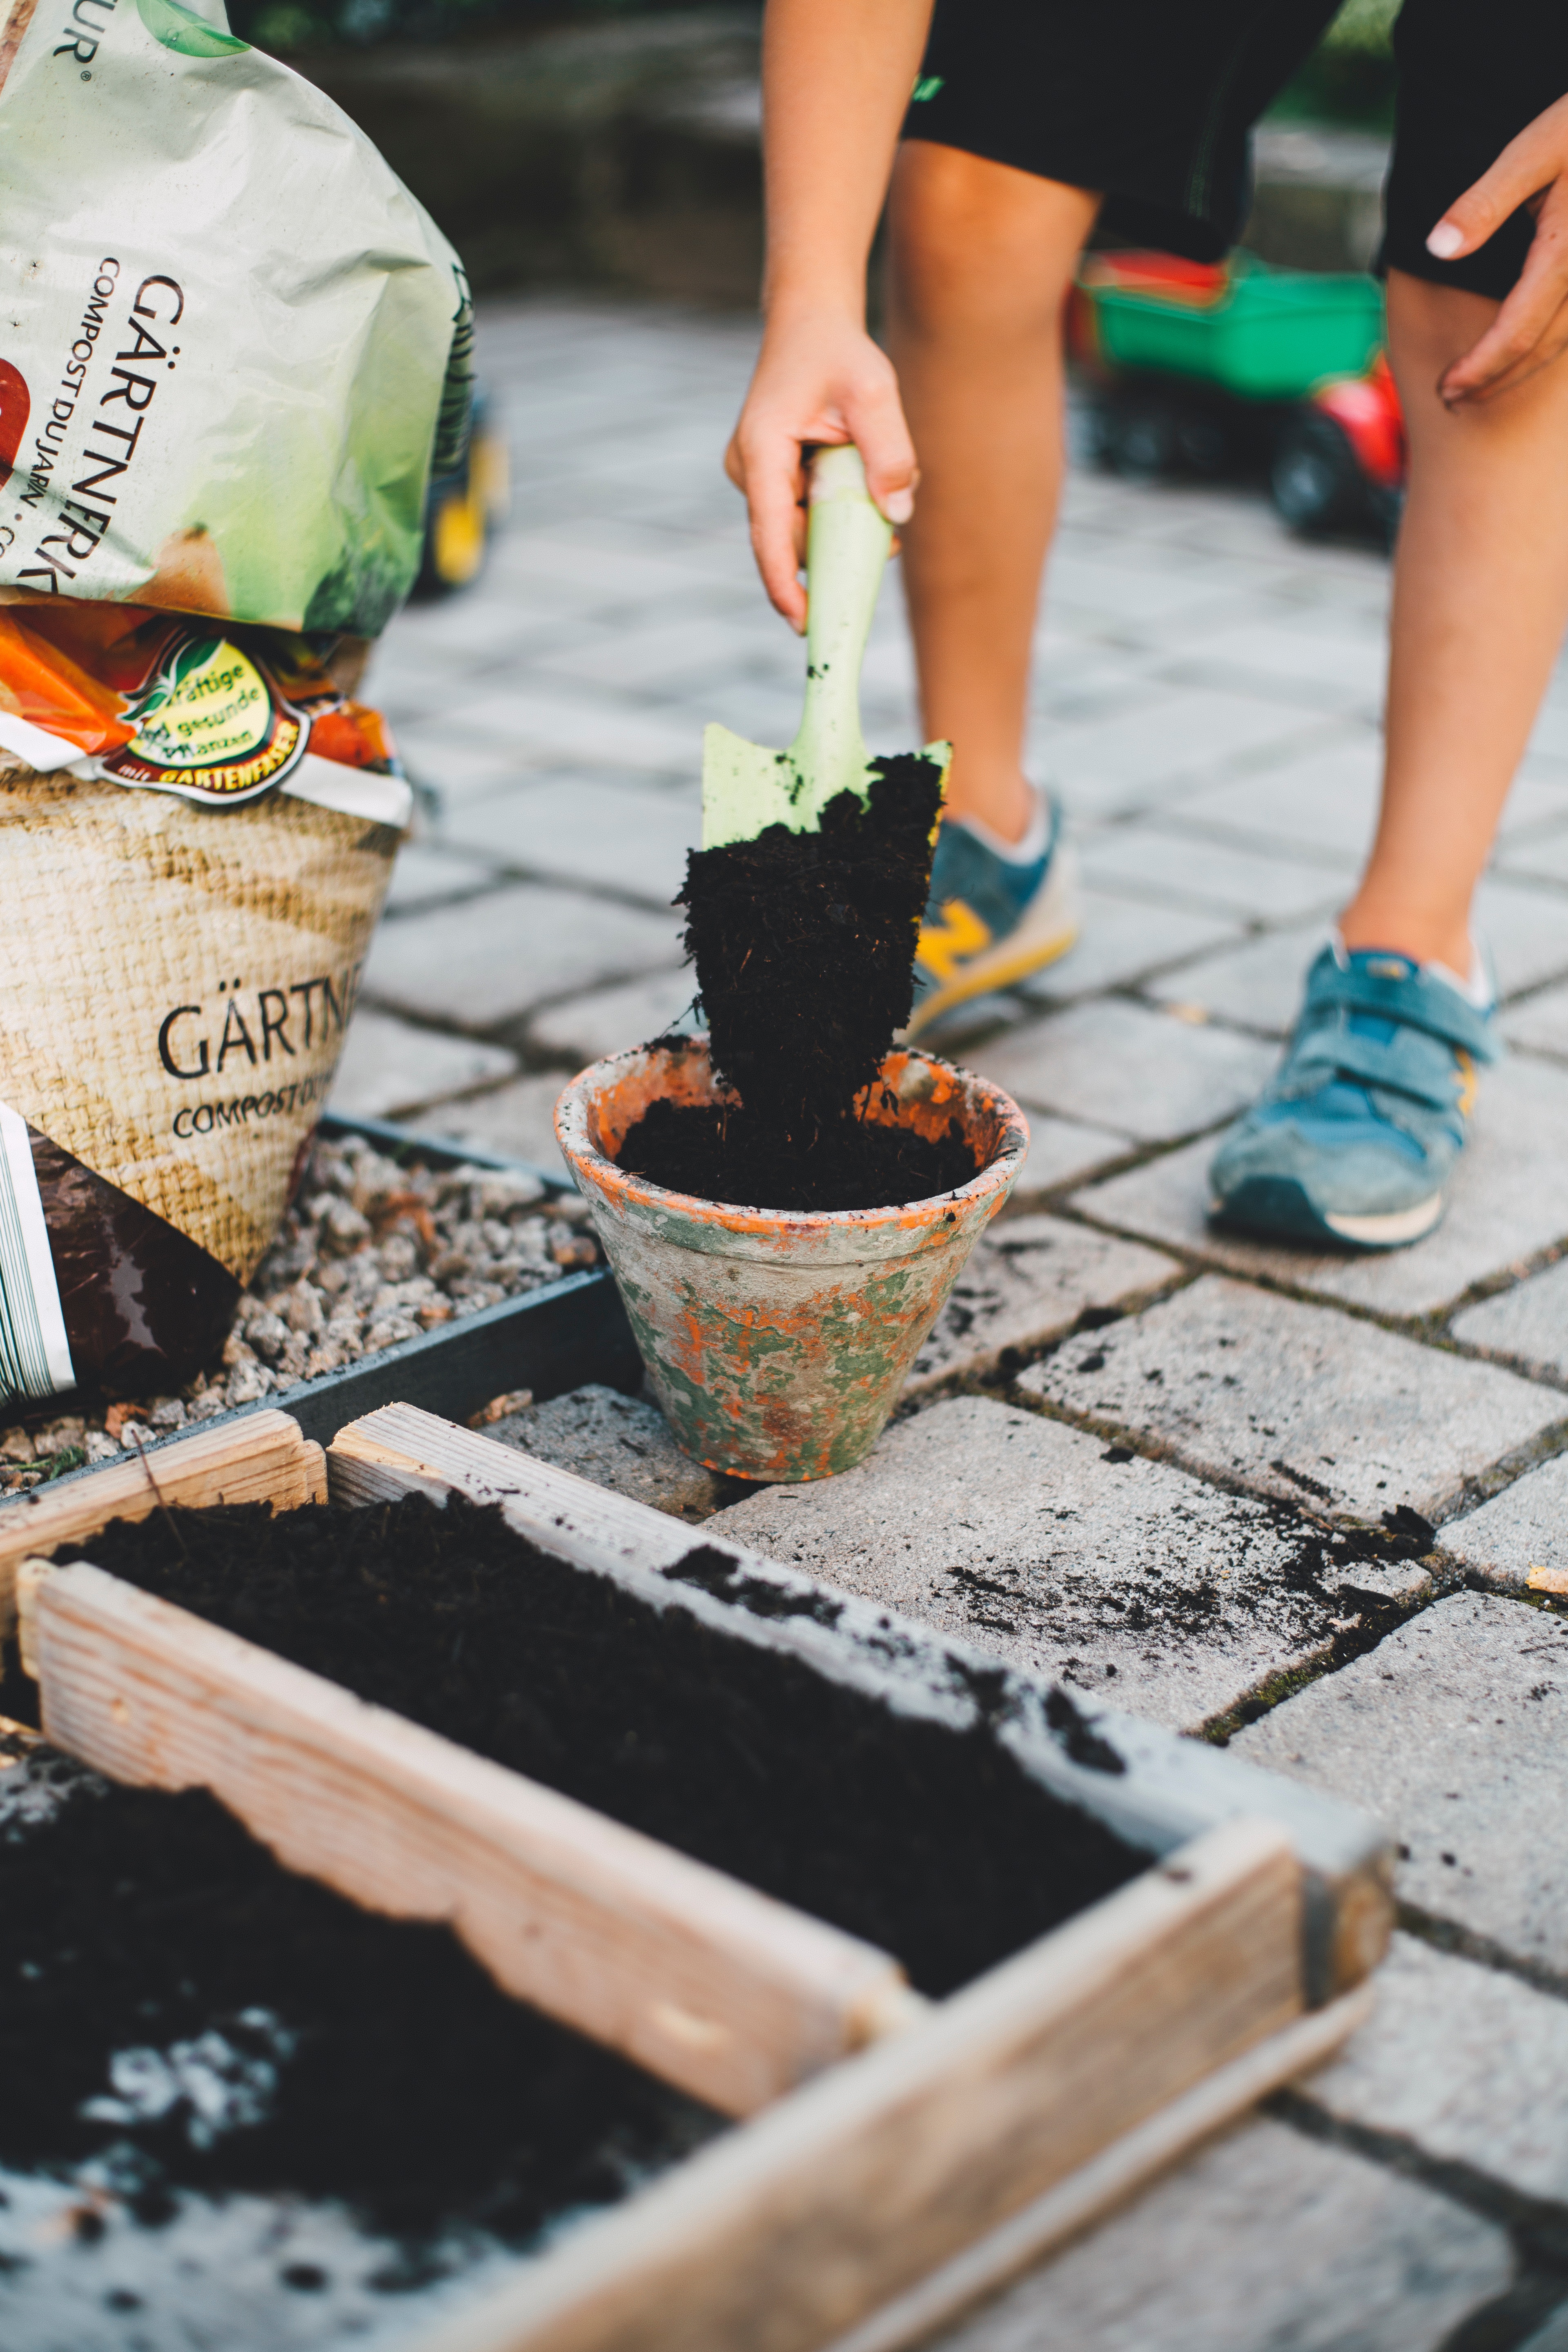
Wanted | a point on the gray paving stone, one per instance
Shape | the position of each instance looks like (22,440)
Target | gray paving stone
(609,1020)
(1553,2338)
(610,836)
(1265,2242)
(1541,1024)
(1122,938)
(1122,1067)
(1153,861)
(389,1067)
(661,652)
(617,1441)
(1536,856)
(1259,984)
(1027,1279)
(1454,1731)
(1121,1575)
(518,1119)
(425,874)
(1507,1200)
(1299,1401)
(1062,1150)
(557,728)
(1466,2065)
(1323,800)
(1320,669)
(493,957)
(1169,746)
(1528,1323)
(1524,1528)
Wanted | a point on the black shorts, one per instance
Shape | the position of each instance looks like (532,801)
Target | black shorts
(1151,102)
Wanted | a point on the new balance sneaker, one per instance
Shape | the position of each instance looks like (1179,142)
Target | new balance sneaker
(991,921)
(1356,1137)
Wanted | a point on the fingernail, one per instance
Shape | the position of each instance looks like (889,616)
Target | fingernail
(1445,240)
(898,506)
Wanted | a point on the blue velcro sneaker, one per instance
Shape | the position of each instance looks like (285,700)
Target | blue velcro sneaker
(990,922)
(1356,1137)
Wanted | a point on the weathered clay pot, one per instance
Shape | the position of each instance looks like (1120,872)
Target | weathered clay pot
(778,1343)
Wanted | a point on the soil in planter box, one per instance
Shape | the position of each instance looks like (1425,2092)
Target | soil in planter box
(929,1841)
(804,946)
(178,2012)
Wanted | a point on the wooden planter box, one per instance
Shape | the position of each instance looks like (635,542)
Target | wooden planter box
(899,2157)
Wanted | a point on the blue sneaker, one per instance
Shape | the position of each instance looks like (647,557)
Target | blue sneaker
(1356,1135)
(989,921)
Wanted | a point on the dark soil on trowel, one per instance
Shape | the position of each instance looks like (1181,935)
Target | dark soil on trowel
(175,2004)
(929,1841)
(804,944)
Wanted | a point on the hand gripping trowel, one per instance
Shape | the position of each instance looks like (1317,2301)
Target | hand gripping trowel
(746,788)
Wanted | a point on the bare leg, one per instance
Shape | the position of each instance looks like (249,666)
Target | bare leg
(1480,603)
(981,258)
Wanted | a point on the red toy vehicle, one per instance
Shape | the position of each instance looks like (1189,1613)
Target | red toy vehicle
(1236,368)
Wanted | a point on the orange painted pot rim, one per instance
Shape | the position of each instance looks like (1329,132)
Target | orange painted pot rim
(970,1097)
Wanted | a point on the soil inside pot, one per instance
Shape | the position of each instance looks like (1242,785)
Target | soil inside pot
(804,945)
(929,1841)
(181,2011)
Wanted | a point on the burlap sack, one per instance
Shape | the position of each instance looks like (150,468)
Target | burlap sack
(176,982)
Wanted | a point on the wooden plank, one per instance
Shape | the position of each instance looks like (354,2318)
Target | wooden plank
(255,1457)
(729,1994)
(1169,1789)
(789,2231)
(1112,2178)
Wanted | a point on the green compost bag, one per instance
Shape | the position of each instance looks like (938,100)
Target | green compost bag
(230,339)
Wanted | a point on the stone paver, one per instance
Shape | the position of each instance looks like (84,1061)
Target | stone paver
(1454,1732)
(1259,984)
(608,1020)
(1553,2338)
(1061,1151)
(1088,1562)
(488,960)
(1507,1200)
(1267,2243)
(584,830)
(1529,1323)
(617,1441)
(1027,1279)
(423,875)
(1541,1024)
(1166,867)
(518,1119)
(1524,1528)
(1119,1066)
(1298,1400)
(1462,2064)
(390,1069)
(1122,941)
(1160,752)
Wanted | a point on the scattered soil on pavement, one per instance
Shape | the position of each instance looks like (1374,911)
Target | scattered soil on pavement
(183,2010)
(804,946)
(930,1842)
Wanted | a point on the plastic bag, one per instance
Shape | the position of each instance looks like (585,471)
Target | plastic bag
(196,834)
(230,334)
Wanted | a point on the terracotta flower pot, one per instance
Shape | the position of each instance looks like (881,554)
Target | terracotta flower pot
(777,1342)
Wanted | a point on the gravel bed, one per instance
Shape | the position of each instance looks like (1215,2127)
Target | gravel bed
(371,1252)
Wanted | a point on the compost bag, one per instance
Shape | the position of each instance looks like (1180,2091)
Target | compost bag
(230,334)
(197,832)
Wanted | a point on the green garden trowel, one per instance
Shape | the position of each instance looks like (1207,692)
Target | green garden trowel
(746,788)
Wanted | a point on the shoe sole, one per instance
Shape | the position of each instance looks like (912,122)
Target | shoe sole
(1048,929)
(1278,1207)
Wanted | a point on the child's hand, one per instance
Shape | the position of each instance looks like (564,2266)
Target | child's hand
(820,379)
(1532,328)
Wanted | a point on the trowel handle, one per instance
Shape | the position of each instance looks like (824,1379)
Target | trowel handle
(847,549)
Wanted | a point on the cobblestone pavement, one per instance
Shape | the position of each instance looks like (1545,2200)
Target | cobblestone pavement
(1129,1446)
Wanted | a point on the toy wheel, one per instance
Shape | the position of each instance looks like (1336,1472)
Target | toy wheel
(1141,442)
(1314,481)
